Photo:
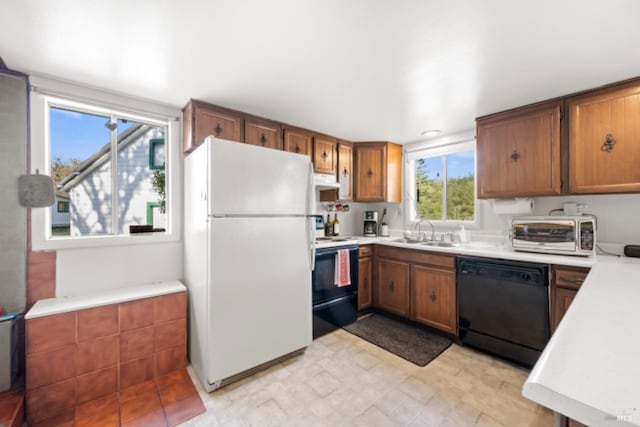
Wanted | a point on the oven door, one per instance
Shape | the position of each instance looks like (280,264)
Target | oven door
(323,276)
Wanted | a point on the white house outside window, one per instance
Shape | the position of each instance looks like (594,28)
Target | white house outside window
(441,184)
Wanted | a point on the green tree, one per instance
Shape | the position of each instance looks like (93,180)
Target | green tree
(61,169)
(460,196)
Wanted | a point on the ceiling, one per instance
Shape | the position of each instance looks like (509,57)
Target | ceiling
(356,69)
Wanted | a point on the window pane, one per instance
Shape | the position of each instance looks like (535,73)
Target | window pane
(81,169)
(429,187)
(460,186)
(140,178)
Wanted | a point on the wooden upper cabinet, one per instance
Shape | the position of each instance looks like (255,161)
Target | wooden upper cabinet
(324,154)
(378,172)
(518,152)
(298,141)
(345,171)
(263,133)
(604,140)
(201,120)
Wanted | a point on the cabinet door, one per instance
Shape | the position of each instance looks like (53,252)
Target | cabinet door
(370,173)
(364,283)
(345,171)
(201,120)
(519,153)
(433,296)
(298,141)
(604,141)
(324,154)
(561,302)
(393,286)
(263,133)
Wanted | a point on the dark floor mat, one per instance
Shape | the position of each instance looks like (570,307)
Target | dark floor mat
(408,341)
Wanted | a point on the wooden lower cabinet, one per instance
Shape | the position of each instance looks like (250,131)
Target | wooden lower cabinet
(565,283)
(364,283)
(433,297)
(393,286)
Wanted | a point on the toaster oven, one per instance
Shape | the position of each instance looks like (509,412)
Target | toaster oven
(557,234)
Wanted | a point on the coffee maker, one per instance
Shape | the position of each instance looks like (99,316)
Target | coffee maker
(370,224)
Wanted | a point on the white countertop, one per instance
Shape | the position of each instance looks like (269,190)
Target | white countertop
(47,307)
(590,369)
(488,250)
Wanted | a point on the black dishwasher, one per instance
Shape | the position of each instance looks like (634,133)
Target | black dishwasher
(503,307)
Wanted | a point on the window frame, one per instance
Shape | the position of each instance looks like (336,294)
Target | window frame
(436,149)
(46,93)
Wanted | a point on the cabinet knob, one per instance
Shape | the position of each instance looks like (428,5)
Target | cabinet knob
(324,155)
(515,156)
(218,129)
(392,286)
(608,144)
(433,297)
(345,172)
(369,172)
(263,140)
(297,148)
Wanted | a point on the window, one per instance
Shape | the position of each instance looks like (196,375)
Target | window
(441,183)
(63,207)
(107,164)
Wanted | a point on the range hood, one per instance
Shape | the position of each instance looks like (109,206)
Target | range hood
(323,181)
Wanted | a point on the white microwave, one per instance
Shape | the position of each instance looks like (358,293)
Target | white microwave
(556,234)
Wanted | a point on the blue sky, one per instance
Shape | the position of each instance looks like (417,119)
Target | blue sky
(458,165)
(77,135)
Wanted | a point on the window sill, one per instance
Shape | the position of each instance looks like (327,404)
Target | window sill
(103,241)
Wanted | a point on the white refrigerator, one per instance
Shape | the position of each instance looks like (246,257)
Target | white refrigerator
(249,252)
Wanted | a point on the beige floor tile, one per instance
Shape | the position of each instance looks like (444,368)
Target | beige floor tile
(342,380)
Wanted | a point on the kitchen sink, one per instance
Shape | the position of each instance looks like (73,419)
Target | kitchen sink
(440,244)
(405,240)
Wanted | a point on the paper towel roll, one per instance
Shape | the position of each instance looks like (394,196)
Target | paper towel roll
(512,206)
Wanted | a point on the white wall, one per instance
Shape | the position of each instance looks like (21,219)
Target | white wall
(87,270)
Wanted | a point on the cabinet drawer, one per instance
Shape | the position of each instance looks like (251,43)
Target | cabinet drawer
(365,251)
(567,277)
(416,256)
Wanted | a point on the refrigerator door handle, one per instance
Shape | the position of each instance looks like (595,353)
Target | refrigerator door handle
(311,217)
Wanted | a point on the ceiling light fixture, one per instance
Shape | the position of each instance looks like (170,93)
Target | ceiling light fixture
(430,133)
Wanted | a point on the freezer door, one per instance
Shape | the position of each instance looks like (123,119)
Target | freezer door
(260,292)
(249,180)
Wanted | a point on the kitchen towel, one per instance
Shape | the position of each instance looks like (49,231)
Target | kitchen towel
(342,270)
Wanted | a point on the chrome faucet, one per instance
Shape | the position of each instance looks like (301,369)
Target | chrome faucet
(421,234)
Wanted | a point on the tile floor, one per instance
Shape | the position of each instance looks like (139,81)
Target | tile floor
(165,401)
(342,380)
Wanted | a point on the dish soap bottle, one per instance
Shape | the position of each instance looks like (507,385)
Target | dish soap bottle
(328,227)
(464,235)
(336,225)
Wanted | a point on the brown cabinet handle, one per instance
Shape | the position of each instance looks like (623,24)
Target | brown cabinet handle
(392,286)
(515,156)
(324,155)
(345,172)
(263,140)
(576,280)
(433,296)
(369,172)
(218,129)
(608,144)
(297,148)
